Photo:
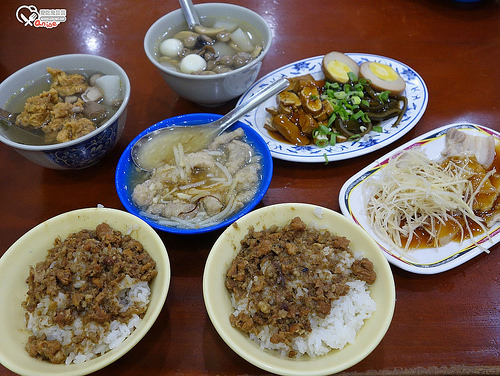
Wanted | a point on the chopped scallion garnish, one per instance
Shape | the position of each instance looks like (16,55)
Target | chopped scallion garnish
(384,96)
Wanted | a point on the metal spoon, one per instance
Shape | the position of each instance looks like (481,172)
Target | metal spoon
(9,119)
(193,20)
(156,147)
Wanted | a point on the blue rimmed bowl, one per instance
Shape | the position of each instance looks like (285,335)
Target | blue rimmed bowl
(127,172)
(84,151)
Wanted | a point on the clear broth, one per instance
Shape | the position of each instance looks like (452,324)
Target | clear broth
(254,34)
(35,87)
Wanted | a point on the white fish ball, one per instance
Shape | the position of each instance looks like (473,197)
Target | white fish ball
(171,47)
(192,63)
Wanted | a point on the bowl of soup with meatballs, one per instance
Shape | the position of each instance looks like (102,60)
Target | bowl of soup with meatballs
(68,111)
(197,191)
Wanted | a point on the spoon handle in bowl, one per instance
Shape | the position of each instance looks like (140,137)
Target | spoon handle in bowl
(189,13)
(7,116)
(246,106)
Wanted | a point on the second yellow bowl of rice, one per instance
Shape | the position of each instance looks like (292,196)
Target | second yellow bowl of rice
(374,320)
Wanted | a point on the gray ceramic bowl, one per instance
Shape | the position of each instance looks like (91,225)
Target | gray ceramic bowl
(208,90)
(84,151)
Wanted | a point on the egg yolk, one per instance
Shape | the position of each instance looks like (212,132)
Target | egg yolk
(384,72)
(339,70)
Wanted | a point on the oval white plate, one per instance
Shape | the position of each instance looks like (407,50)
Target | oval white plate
(425,260)
(416,92)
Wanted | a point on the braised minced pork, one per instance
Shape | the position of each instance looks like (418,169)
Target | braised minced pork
(87,268)
(289,273)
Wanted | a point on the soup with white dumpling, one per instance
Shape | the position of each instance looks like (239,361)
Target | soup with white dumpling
(221,45)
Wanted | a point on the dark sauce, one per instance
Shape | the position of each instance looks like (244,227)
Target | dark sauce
(450,232)
(457,232)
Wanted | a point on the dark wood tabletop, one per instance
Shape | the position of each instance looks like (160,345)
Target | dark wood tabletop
(445,324)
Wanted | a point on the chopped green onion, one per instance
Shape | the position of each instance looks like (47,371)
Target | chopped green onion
(333,138)
(321,142)
(384,96)
(352,76)
(323,129)
(340,94)
(346,100)
(358,87)
(333,117)
(358,115)
(354,137)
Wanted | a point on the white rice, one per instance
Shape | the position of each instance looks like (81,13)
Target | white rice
(98,338)
(336,330)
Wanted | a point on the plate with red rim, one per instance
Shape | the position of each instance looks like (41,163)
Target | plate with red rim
(422,260)
(416,93)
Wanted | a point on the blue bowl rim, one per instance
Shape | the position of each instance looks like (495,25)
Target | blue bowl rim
(125,163)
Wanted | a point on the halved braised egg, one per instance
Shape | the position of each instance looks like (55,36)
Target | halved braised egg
(336,65)
(382,77)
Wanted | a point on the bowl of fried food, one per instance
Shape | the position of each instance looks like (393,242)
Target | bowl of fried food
(79,291)
(215,62)
(298,289)
(201,190)
(66,112)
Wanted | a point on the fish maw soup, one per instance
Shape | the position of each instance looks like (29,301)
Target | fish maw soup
(200,189)
(63,105)
(221,45)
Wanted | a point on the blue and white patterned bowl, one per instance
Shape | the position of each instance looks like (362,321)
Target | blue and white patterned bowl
(84,151)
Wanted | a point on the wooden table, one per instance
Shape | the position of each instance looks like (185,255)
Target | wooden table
(447,323)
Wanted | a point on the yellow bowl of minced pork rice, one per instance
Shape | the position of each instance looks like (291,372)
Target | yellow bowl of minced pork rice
(357,322)
(32,248)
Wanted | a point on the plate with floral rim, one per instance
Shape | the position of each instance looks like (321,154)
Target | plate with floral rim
(422,260)
(416,93)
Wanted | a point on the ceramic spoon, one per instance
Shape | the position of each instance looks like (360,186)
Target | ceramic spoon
(156,147)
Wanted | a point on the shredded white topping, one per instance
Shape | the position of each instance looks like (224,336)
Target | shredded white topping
(413,192)
(199,190)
